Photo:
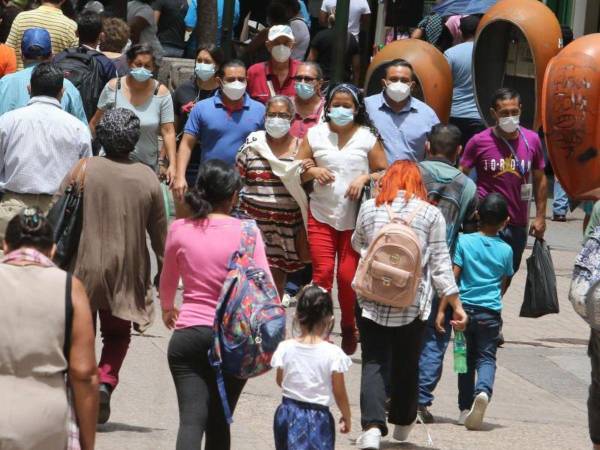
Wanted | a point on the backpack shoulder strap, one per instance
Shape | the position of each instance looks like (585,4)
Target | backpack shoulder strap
(68,316)
(156,87)
(413,214)
(248,240)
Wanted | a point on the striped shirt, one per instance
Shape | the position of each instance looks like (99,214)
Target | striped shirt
(430,227)
(39,144)
(62,29)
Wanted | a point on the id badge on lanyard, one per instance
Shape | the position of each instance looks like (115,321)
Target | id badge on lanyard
(527,187)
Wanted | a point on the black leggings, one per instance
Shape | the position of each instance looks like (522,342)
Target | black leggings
(200,409)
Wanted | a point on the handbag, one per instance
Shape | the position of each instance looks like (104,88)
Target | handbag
(66,217)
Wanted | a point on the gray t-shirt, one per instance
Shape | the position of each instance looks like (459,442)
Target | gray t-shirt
(156,111)
(301,38)
(136,8)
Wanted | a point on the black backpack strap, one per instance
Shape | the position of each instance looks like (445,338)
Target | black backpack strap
(68,316)
(157,87)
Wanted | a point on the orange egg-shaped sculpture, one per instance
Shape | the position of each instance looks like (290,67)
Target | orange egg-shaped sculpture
(571,119)
(514,42)
(432,71)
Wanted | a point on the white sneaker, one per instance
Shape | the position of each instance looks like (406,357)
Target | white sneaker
(474,418)
(287,300)
(370,439)
(401,432)
(462,416)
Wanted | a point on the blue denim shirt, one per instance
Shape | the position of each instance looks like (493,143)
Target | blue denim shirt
(403,133)
(14,94)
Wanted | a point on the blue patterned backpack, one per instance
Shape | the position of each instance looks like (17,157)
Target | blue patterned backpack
(249,319)
(585,284)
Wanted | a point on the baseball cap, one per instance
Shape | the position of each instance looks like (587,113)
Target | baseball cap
(36,42)
(280,30)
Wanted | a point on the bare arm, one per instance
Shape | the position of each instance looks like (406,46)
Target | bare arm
(323,16)
(167,131)
(136,25)
(356,69)
(540,186)
(156,16)
(188,142)
(95,120)
(279,376)
(83,372)
(465,170)
(313,54)
(341,400)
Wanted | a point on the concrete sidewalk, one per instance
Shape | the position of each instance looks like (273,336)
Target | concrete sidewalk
(539,399)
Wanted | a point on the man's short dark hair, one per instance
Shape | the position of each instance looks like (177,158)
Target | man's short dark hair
(89,27)
(493,210)
(468,26)
(399,63)
(231,63)
(46,79)
(502,94)
(444,140)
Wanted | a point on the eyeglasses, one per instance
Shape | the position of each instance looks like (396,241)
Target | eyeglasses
(281,115)
(301,78)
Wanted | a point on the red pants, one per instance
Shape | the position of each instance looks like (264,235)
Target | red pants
(116,335)
(325,244)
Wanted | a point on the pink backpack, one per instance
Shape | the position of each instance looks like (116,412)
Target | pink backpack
(390,273)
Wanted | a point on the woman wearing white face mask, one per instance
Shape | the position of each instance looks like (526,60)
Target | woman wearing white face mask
(272,192)
(347,155)
(151,102)
(276,76)
(202,85)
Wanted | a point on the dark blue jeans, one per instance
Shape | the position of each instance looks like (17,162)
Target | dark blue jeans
(482,333)
(431,360)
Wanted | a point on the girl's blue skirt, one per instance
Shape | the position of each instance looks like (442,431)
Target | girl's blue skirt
(303,426)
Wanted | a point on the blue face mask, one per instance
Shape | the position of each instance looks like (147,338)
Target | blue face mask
(141,74)
(305,90)
(204,71)
(341,116)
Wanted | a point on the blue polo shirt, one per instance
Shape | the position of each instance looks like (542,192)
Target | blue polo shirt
(403,133)
(14,94)
(221,132)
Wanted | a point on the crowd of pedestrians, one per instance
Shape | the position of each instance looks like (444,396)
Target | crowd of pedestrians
(312,171)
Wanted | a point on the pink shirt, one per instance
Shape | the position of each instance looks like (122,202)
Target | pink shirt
(198,252)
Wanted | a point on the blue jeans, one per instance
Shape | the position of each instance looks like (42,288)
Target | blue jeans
(431,361)
(560,205)
(482,335)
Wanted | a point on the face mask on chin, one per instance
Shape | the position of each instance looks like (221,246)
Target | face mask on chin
(509,124)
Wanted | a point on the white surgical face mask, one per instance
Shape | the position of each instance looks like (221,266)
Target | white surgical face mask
(281,53)
(397,91)
(277,127)
(509,124)
(235,90)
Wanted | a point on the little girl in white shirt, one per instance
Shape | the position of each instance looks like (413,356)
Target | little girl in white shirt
(311,372)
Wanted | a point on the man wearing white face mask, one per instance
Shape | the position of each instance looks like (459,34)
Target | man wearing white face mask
(220,123)
(509,160)
(276,76)
(402,120)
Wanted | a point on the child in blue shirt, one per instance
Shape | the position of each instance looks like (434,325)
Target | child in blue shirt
(482,266)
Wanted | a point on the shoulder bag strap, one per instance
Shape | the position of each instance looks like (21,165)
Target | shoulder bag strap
(156,88)
(117,89)
(248,241)
(68,316)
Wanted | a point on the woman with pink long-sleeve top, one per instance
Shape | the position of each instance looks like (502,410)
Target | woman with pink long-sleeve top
(198,250)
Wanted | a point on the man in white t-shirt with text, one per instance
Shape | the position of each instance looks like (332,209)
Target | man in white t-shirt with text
(359,14)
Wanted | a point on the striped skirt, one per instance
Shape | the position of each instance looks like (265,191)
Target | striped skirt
(303,426)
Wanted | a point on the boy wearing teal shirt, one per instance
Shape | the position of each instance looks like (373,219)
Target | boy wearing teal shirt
(483,264)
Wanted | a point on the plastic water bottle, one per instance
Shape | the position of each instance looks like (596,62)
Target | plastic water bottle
(460,352)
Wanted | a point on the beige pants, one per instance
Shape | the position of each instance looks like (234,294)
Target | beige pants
(12,204)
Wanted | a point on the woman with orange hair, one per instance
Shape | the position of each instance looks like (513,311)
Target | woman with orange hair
(391,337)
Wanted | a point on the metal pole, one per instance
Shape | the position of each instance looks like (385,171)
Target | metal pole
(227,29)
(342,11)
